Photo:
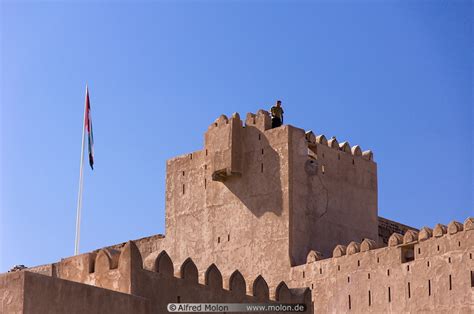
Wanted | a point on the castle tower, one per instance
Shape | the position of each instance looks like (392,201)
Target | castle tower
(259,199)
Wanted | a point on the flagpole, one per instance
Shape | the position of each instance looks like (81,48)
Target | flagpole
(81,181)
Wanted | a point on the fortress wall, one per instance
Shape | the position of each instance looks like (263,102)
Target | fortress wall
(334,194)
(434,281)
(239,218)
(11,292)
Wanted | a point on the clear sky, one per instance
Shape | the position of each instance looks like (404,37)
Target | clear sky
(392,76)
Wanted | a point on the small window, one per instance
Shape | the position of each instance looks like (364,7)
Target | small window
(370,299)
(388,272)
(320,271)
(349,301)
(368,276)
(450,283)
(449,260)
(261,167)
(459,243)
(428,264)
(338,267)
(409,291)
(348,279)
(378,259)
(228,237)
(303,273)
(183,173)
(206,152)
(323,170)
(389,295)
(191,156)
(262,151)
(183,189)
(429,287)
(353,162)
(205,183)
(218,239)
(438,247)
(408,267)
(419,251)
(358,263)
(259,137)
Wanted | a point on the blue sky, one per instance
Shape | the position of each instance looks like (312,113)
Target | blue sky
(392,76)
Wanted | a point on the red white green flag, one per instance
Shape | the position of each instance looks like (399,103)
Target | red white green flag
(88,125)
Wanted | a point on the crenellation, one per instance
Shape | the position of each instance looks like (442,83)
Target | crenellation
(356,151)
(410,236)
(367,245)
(345,147)
(425,233)
(454,227)
(395,239)
(439,230)
(368,155)
(333,143)
(469,224)
(352,248)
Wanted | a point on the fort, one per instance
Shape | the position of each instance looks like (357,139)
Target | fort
(264,214)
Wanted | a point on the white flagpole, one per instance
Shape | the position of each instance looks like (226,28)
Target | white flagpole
(81,181)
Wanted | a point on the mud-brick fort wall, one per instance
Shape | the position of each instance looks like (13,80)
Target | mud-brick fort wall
(429,271)
(259,199)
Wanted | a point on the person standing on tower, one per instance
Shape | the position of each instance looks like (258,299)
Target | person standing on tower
(277,114)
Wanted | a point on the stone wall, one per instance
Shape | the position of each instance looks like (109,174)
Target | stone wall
(430,271)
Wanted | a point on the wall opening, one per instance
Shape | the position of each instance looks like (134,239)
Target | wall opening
(450,283)
(183,189)
(370,299)
(358,263)
(303,273)
(262,151)
(378,259)
(438,247)
(419,251)
(228,237)
(191,156)
(429,287)
(409,291)
(218,239)
(206,152)
(350,306)
(389,295)
(353,162)
(261,167)
(428,264)
(348,279)
(320,271)
(368,276)
(459,243)
(449,260)
(259,137)
(408,253)
(408,267)
(472,279)
(338,267)
(323,170)
(388,272)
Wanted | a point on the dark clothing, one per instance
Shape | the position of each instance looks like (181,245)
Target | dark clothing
(276,122)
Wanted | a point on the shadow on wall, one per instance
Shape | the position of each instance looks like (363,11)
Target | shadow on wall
(259,187)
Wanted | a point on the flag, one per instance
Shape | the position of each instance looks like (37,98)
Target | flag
(88,125)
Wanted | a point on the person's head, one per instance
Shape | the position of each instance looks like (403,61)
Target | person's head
(278,103)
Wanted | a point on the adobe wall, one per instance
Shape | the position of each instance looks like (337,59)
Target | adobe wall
(35,293)
(430,271)
(154,282)
(249,201)
(333,194)
(228,204)
(11,292)
(388,227)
